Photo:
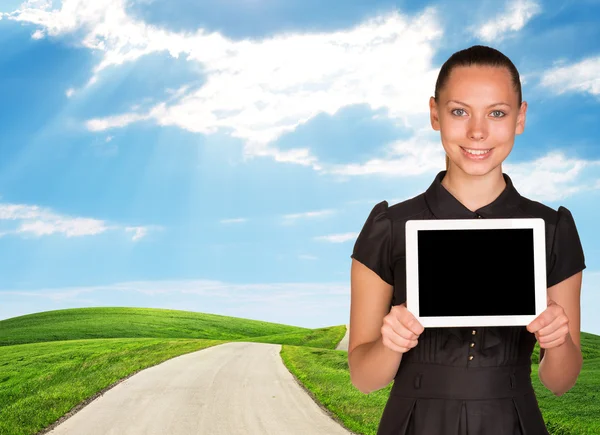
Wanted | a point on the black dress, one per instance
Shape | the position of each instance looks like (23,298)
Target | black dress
(460,381)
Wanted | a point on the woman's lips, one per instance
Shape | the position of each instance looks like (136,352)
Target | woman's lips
(475,156)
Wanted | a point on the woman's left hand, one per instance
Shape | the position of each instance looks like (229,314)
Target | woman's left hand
(551,327)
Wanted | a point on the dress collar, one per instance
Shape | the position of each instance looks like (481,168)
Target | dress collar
(444,205)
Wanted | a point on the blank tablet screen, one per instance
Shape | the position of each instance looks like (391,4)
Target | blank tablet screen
(476,272)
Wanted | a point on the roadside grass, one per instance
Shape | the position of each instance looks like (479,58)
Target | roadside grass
(324,374)
(326,338)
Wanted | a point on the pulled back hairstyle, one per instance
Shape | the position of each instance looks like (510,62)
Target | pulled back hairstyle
(478,55)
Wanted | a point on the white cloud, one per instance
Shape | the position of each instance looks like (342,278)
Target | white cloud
(583,76)
(417,155)
(69,227)
(261,89)
(37,221)
(338,238)
(70,92)
(138,232)
(114,121)
(233,220)
(514,18)
(553,177)
(293,217)
(39,4)
(38,34)
(226,290)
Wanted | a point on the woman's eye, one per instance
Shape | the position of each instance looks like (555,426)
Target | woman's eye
(501,113)
(457,110)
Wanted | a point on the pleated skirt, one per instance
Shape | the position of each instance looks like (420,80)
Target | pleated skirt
(434,399)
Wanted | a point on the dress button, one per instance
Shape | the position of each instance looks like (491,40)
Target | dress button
(470,357)
(472,344)
(479,216)
(473,332)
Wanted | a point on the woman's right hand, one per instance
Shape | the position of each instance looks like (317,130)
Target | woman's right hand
(401,329)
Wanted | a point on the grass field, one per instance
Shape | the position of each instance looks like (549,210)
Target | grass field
(53,362)
(89,323)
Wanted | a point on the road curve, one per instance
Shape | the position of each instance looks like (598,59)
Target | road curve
(229,389)
(343,344)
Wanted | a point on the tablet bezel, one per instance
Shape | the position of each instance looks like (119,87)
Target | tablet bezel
(412,269)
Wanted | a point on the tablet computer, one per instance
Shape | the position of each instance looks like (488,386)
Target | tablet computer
(476,272)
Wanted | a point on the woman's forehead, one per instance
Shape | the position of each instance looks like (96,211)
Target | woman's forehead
(480,84)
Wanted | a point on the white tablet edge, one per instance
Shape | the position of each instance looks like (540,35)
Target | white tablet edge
(539,255)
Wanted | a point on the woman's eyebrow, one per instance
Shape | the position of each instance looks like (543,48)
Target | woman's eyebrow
(491,105)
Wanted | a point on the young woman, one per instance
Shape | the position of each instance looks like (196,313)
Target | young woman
(475,381)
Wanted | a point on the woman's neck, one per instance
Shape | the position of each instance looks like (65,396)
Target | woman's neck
(474,191)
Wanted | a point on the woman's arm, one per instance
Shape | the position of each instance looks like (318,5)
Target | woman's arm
(372,365)
(560,366)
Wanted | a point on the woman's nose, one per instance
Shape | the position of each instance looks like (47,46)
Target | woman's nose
(476,129)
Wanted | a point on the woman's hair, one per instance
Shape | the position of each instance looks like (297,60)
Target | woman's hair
(479,55)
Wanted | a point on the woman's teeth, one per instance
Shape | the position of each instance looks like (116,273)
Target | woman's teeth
(476,152)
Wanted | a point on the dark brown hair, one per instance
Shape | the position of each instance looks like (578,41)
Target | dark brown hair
(479,55)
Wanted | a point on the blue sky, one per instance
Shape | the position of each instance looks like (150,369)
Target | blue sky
(222,156)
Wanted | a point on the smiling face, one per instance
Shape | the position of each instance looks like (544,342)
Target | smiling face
(478,110)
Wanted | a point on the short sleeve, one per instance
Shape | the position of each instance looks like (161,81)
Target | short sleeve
(567,252)
(373,245)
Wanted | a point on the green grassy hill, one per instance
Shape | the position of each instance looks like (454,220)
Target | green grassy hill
(117,322)
(54,362)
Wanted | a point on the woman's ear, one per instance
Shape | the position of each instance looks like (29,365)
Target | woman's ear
(433,114)
(520,127)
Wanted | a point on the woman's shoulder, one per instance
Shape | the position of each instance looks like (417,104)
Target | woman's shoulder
(408,209)
(552,217)
(535,208)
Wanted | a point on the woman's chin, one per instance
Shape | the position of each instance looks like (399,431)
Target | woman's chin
(477,169)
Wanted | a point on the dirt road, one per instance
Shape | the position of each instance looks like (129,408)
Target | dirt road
(230,389)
